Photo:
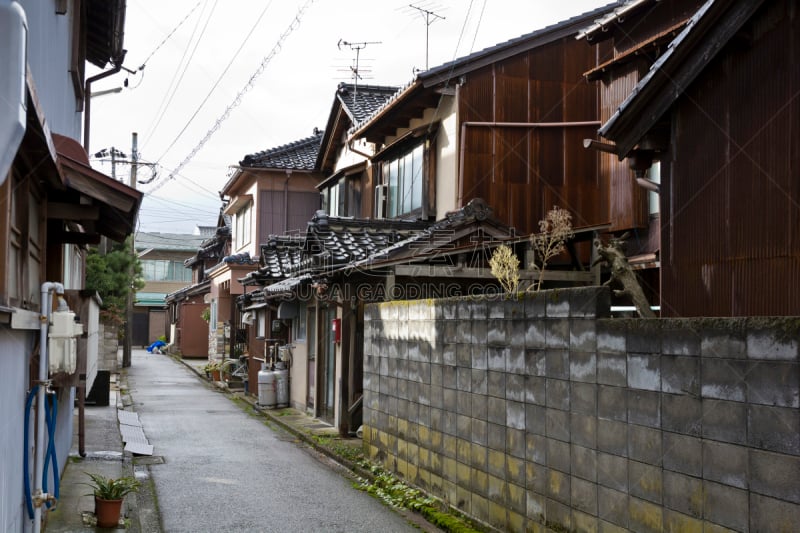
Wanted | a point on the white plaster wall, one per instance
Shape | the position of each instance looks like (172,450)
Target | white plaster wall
(49,50)
(14,353)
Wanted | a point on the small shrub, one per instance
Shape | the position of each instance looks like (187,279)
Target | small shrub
(554,231)
(505,267)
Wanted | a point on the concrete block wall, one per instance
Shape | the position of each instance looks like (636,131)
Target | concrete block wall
(541,412)
(108,348)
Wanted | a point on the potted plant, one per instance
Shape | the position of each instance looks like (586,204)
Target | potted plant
(108,494)
(213,370)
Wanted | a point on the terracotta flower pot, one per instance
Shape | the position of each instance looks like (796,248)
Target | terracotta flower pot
(215,375)
(107,512)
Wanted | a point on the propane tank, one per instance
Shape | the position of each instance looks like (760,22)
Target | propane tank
(267,394)
(282,386)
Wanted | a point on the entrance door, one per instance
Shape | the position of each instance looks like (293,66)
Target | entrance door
(327,382)
(311,335)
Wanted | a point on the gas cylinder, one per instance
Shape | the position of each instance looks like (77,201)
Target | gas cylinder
(267,393)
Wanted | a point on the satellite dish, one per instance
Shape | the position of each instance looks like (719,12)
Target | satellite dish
(207,298)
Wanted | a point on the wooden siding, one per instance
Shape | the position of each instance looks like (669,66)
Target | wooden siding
(523,172)
(272,217)
(732,234)
(627,201)
(661,17)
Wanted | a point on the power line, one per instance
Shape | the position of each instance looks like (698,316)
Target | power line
(173,85)
(219,79)
(238,100)
(144,63)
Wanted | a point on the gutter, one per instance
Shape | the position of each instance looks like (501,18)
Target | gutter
(87,96)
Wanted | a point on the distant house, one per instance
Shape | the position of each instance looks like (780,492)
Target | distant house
(271,192)
(188,309)
(703,95)
(162,256)
(52,205)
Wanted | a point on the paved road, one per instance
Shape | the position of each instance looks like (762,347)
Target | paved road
(226,471)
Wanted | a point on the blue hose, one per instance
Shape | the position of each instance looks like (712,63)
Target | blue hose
(51,413)
(50,455)
(25,465)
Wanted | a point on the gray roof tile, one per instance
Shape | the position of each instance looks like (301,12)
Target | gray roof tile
(297,155)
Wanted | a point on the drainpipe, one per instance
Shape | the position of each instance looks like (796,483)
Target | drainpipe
(87,95)
(44,384)
(286,200)
(356,151)
(462,149)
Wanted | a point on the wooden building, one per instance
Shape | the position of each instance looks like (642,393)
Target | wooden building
(716,108)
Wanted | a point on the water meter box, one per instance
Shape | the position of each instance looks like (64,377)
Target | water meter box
(62,347)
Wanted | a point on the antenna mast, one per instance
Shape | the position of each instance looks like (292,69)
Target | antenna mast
(427,14)
(357,47)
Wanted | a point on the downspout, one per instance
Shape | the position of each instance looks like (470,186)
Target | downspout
(39,497)
(87,96)
(355,151)
(462,148)
(286,200)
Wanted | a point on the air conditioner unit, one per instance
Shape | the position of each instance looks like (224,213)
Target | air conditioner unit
(381,193)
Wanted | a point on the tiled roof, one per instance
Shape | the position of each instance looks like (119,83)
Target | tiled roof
(279,256)
(298,155)
(474,220)
(332,241)
(471,61)
(360,101)
(176,242)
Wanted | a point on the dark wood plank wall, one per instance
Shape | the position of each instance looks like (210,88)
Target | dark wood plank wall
(524,172)
(627,201)
(732,232)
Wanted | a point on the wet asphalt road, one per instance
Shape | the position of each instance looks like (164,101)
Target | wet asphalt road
(226,471)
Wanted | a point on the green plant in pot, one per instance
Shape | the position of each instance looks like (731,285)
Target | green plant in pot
(108,494)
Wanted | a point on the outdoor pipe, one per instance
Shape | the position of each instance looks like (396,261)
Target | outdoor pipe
(462,148)
(44,384)
(87,96)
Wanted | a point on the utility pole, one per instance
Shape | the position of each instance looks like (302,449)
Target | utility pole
(128,346)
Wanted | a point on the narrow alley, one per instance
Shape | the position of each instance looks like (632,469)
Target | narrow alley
(224,470)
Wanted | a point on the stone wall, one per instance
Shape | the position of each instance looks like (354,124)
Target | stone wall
(538,411)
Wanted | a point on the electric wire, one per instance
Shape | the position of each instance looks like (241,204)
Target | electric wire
(216,83)
(173,84)
(144,63)
(238,99)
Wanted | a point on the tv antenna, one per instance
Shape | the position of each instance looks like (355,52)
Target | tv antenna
(355,69)
(430,17)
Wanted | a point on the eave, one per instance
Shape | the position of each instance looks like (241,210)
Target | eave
(712,26)
(397,113)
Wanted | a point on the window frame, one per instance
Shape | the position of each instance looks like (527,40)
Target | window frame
(401,149)
(243,224)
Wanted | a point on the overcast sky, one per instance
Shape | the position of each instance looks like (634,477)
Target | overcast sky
(199,56)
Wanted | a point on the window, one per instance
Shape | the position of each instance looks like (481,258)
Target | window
(405,183)
(404,178)
(165,270)
(25,241)
(299,325)
(261,323)
(343,197)
(242,226)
